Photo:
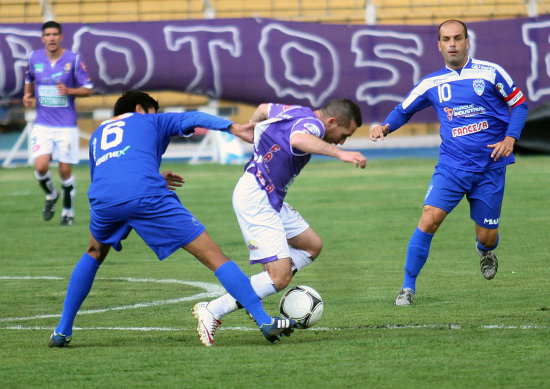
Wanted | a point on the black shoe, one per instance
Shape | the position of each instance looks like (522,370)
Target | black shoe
(49,208)
(67,221)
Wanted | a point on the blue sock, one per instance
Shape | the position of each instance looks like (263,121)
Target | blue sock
(238,285)
(417,254)
(484,249)
(80,284)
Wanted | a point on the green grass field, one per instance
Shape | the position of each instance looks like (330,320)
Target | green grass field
(135,329)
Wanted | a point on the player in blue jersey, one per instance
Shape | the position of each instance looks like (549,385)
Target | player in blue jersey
(127,193)
(276,235)
(482,113)
(55,76)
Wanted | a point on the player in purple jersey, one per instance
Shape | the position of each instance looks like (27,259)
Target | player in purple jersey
(276,235)
(481,113)
(55,76)
(127,193)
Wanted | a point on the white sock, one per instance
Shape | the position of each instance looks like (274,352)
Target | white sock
(262,285)
(300,259)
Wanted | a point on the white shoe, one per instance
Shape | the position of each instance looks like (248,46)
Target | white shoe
(405,297)
(488,263)
(207,323)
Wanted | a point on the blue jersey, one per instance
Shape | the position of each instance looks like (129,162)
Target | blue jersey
(126,152)
(275,163)
(473,106)
(53,110)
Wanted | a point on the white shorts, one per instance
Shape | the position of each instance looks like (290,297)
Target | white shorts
(264,230)
(61,142)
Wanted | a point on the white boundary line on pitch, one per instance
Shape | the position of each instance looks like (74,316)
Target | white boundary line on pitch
(378,327)
(211,291)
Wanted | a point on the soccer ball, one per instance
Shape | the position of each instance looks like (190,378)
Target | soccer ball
(303,304)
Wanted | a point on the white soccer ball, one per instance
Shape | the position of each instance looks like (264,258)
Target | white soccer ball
(303,304)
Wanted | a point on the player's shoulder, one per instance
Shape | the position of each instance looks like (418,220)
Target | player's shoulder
(481,65)
(37,55)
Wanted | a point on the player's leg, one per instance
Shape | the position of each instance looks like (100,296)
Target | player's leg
(67,144)
(79,286)
(265,236)
(485,205)
(237,284)
(41,148)
(418,250)
(443,194)
(229,274)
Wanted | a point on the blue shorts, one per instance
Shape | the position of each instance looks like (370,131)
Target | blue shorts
(484,191)
(161,221)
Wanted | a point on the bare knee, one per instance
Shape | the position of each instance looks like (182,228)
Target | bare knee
(280,272)
(97,250)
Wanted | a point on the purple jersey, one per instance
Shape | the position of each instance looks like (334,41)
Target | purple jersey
(53,110)
(275,163)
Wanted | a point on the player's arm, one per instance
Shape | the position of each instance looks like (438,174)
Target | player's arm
(395,120)
(243,131)
(28,95)
(517,121)
(78,92)
(313,145)
(261,113)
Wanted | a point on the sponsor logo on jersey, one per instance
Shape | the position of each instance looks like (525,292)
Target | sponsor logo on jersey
(464,111)
(449,112)
(111,155)
(483,67)
(38,67)
(470,129)
(313,129)
(479,86)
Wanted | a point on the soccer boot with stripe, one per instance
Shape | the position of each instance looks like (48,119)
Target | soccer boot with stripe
(278,327)
(57,339)
(207,323)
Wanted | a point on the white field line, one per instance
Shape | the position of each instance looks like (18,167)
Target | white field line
(212,291)
(377,327)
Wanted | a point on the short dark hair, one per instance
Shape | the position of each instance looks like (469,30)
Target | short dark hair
(129,99)
(344,110)
(51,24)
(455,21)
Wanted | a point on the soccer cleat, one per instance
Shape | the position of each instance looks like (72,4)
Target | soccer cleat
(57,339)
(277,328)
(49,208)
(405,297)
(207,323)
(67,220)
(489,264)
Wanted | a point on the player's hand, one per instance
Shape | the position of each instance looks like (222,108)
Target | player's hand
(62,89)
(173,180)
(379,132)
(355,157)
(503,148)
(243,131)
(27,101)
